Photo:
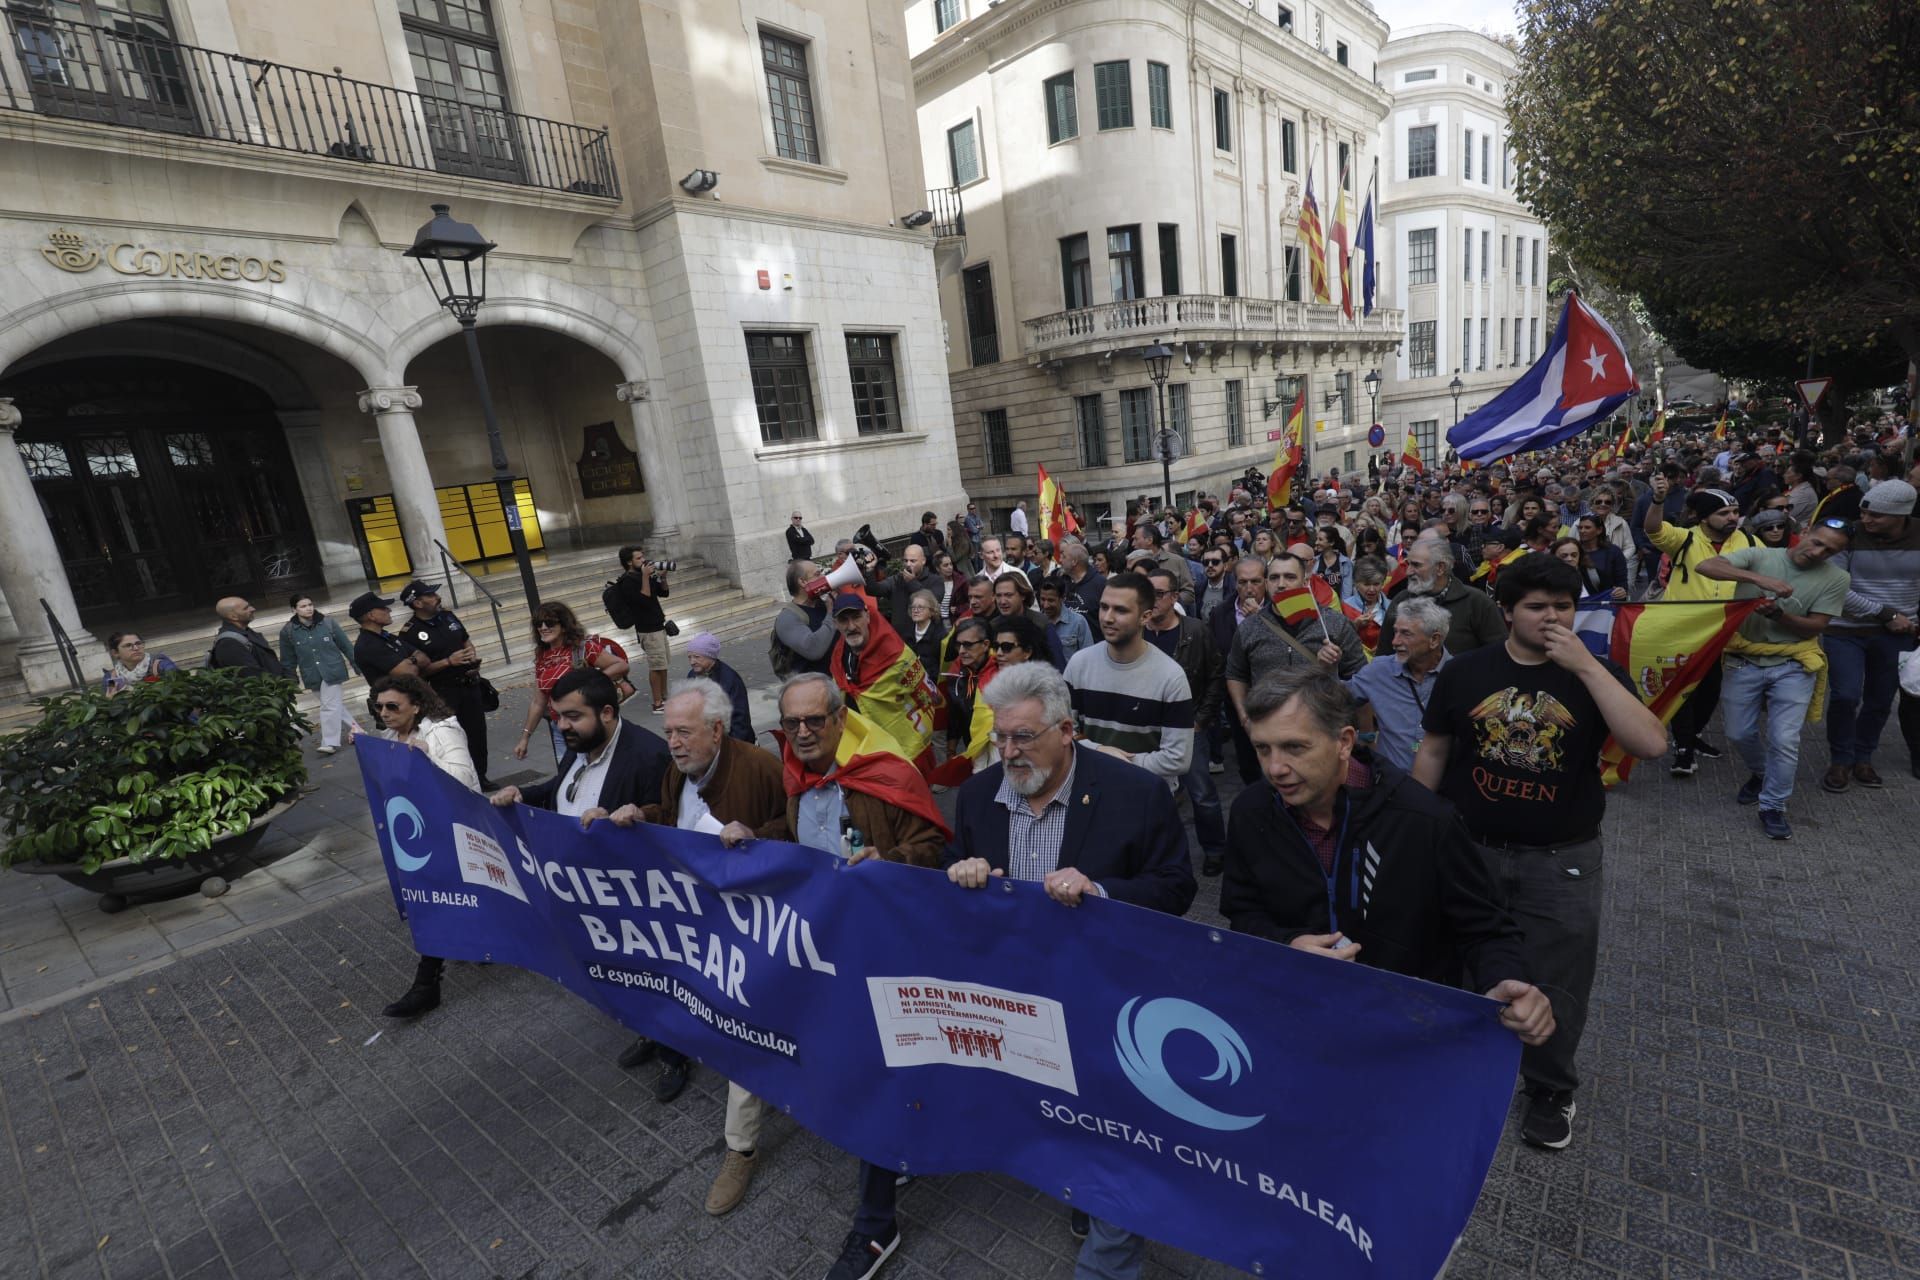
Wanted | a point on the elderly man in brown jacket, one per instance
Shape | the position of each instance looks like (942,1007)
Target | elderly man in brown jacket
(714,781)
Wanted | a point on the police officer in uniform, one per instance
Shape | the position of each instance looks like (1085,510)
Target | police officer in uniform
(452,666)
(377,652)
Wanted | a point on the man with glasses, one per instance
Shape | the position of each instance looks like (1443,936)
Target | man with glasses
(1185,640)
(1775,657)
(1080,824)
(1214,586)
(799,541)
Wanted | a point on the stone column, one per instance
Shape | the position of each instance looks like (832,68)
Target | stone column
(414,501)
(665,490)
(332,531)
(31,571)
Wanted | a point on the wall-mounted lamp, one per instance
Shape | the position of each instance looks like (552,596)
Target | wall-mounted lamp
(699,182)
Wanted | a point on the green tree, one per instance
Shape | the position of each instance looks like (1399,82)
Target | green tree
(1747,167)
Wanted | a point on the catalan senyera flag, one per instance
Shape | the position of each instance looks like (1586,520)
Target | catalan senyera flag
(1296,605)
(891,689)
(1659,431)
(1410,455)
(1056,522)
(1341,248)
(1316,247)
(1287,458)
(1666,647)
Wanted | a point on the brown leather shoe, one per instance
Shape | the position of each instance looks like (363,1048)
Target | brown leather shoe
(1866,777)
(730,1186)
(1837,780)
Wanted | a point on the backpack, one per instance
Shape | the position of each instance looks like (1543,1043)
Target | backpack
(779,656)
(614,600)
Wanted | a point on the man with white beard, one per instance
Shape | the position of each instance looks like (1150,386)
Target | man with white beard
(1476,618)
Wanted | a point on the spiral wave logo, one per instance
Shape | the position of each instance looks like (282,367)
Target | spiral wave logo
(400,808)
(1139,1041)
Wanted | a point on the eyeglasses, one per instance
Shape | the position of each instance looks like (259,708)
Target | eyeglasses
(814,724)
(1007,646)
(1602,502)
(544,623)
(1162,595)
(1212,562)
(971,644)
(390,706)
(1020,738)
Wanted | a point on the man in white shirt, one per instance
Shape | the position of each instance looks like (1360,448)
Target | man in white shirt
(1018,520)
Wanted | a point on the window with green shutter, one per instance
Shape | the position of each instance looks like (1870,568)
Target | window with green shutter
(1113,94)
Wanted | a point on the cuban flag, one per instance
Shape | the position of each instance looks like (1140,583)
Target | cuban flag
(1581,378)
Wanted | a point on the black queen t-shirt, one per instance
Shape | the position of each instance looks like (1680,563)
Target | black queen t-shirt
(1524,767)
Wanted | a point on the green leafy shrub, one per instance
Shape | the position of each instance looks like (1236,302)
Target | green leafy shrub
(161,771)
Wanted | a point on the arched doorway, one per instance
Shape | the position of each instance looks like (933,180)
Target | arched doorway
(167,485)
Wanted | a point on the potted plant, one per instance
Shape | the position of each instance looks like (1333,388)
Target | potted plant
(158,787)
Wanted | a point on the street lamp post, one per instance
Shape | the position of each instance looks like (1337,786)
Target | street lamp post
(1373,396)
(450,245)
(1159,358)
(1456,386)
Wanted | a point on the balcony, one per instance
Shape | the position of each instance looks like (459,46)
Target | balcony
(949,219)
(1203,318)
(137,78)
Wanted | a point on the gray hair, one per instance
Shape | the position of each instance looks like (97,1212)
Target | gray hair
(836,701)
(1425,613)
(1320,692)
(1257,562)
(1073,552)
(928,597)
(1031,681)
(715,705)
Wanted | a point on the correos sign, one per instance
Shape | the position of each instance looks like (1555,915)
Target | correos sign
(71,253)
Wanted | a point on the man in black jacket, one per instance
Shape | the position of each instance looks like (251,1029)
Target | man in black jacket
(642,590)
(799,541)
(238,645)
(1343,855)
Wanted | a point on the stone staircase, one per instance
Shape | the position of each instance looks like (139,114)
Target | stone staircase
(700,600)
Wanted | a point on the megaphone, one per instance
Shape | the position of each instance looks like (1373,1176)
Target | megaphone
(847,575)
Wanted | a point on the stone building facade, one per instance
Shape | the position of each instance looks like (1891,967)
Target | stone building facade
(708,305)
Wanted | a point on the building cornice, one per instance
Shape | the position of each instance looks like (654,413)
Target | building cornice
(664,209)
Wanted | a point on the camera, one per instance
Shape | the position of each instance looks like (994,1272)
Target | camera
(663,566)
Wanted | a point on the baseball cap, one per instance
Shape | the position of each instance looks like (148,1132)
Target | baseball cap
(1889,498)
(365,603)
(417,588)
(849,602)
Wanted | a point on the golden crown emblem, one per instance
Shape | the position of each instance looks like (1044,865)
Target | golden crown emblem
(67,251)
(66,239)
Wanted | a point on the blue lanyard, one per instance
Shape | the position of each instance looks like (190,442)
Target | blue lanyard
(1353,892)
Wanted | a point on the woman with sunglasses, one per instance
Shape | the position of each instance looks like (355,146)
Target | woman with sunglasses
(413,715)
(1773,526)
(969,721)
(1015,640)
(560,645)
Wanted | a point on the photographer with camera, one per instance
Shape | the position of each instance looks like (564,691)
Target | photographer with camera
(641,587)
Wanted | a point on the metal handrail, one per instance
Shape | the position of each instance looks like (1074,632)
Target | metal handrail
(949,214)
(132,74)
(69,654)
(448,563)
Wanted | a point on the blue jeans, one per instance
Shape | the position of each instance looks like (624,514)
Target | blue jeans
(1768,741)
(1110,1253)
(1208,822)
(1863,678)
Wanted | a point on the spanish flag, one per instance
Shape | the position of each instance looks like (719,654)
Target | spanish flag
(870,762)
(1310,237)
(1344,254)
(1056,521)
(1720,427)
(889,687)
(959,768)
(1410,455)
(1295,606)
(1490,569)
(1194,528)
(1286,459)
(1666,647)
(1659,431)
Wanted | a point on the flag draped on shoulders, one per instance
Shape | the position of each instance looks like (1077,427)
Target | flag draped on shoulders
(1666,647)
(871,762)
(890,688)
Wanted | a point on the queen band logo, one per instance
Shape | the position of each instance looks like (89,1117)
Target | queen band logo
(70,252)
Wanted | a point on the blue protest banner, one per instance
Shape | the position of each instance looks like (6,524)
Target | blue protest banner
(1277,1111)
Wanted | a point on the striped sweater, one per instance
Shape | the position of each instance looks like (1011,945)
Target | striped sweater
(1144,707)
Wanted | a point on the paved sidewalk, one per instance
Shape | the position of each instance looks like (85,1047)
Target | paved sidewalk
(1752,1105)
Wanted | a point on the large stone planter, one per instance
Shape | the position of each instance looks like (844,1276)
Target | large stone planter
(123,880)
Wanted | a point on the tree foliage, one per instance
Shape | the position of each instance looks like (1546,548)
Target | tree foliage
(1746,166)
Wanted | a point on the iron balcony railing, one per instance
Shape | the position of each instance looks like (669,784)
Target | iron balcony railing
(949,219)
(1205,316)
(132,74)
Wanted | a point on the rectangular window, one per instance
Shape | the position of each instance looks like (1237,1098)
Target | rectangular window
(1346,166)
(1222,120)
(1159,95)
(983,320)
(1466,256)
(1486,159)
(876,388)
(1136,425)
(1466,156)
(1063,117)
(1229,266)
(1486,246)
(945,14)
(1289,147)
(963,157)
(1340,52)
(1292,262)
(1284,17)
(1113,94)
(1533,340)
(782,388)
(1427,432)
(1089,414)
(1169,259)
(1177,413)
(1423,255)
(1483,344)
(1503,255)
(1343,384)
(997,442)
(1415,77)
(1466,345)
(1423,148)
(1123,263)
(1536,261)
(1516,339)
(1236,417)
(1420,354)
(796,135)
(1506,167)
(1076,273)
